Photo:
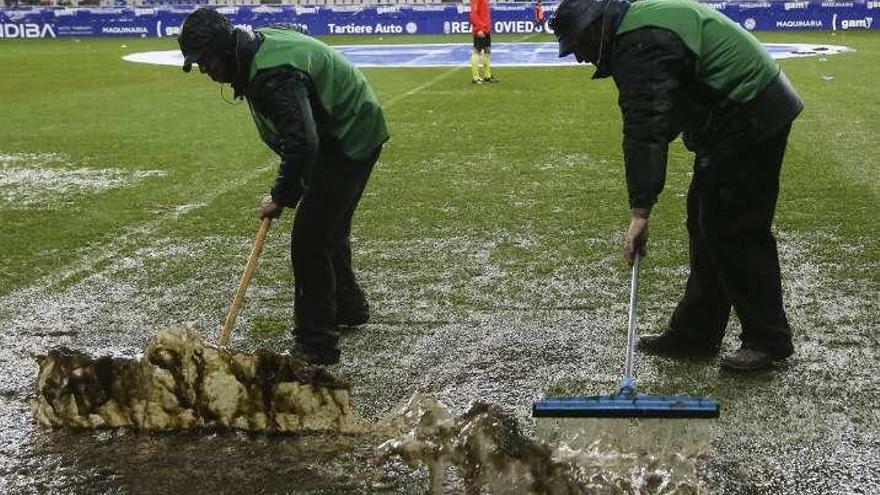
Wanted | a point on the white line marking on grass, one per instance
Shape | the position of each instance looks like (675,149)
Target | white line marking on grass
(47,180)
(439,78)
(129,235)
(420,87)
(526,37)
(518,53)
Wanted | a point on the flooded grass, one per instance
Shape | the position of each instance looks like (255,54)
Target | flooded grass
(506,357)
(48,181)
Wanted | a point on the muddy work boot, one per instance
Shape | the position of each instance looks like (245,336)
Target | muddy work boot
(353,310)
(672,344)
(746,359)
(318,345)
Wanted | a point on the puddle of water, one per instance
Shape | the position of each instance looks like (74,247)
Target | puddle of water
(659,437)
(486,450)
(425,447)
(505,357)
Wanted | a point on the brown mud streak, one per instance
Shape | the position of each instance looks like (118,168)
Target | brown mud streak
(182,383)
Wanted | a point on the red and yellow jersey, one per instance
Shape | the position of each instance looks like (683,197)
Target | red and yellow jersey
(481,17)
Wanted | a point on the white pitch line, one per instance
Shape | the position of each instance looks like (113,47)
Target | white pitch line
(121,241)
(87,263)
(439,78)
(420,87)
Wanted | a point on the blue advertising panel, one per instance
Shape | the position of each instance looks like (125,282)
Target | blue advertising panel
(52,22)
(757,15)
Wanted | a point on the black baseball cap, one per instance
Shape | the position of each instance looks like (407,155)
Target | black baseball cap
(202,31)
(572,17)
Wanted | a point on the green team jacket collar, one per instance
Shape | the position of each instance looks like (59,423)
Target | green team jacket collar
(246,46)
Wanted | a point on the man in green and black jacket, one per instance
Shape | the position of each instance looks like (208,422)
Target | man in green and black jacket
(319,114)
(683,68)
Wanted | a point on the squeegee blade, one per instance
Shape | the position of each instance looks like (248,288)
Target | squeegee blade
(626,406)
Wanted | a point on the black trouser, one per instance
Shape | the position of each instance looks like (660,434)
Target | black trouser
(481,44)
(733,257)
(320,247)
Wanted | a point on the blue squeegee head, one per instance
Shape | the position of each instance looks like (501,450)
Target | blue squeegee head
(626,406)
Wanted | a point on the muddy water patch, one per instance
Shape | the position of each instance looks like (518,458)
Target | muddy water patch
(116,308)
(113,309)
(125,461)
(463,373)
(801,429)
(30,180)
(181,383)
(484,450)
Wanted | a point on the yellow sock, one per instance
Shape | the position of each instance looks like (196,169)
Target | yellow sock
(475,73)
(487,74)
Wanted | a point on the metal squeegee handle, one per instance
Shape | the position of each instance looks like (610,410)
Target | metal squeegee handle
(628,384)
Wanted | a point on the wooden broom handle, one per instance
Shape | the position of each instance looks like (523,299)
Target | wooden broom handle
(235,308)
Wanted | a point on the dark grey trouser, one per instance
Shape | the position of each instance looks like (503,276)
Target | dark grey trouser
(733,256)
(320,245)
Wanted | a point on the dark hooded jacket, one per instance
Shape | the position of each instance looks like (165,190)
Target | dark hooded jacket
(285,99)
(283,94)
(664,91)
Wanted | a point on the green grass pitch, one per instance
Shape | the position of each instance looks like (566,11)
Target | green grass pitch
(538,155)
(504,200)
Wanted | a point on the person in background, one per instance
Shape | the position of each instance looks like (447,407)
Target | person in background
(539,16)
(681,67)
(319,114)
(481,25)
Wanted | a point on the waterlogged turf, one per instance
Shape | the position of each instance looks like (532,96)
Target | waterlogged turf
(488,241)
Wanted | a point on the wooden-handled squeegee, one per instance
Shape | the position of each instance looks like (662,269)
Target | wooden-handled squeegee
(235,308)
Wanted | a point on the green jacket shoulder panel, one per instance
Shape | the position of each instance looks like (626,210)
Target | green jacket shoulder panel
(728,58)
(355,116)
